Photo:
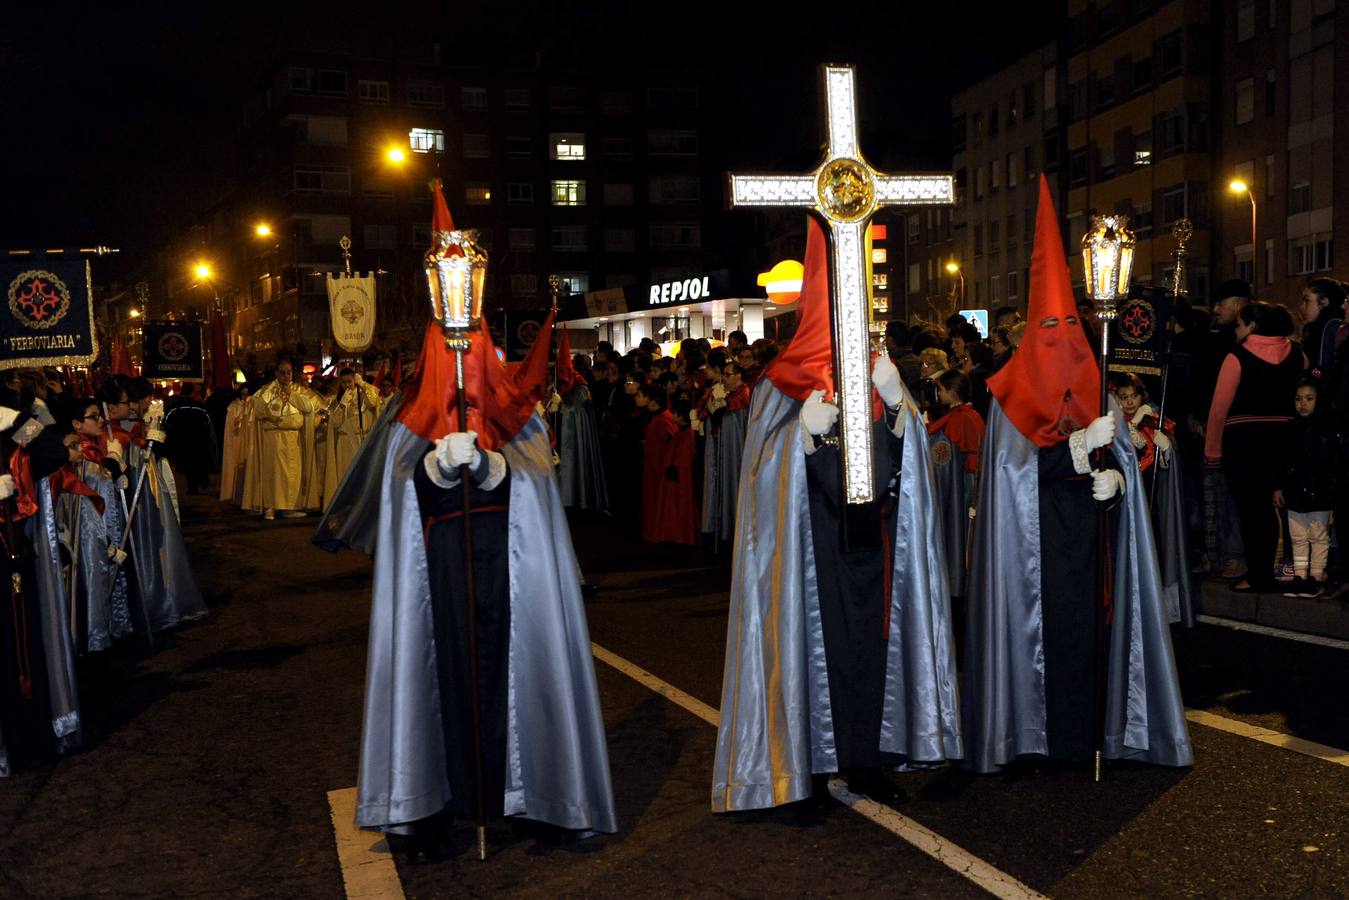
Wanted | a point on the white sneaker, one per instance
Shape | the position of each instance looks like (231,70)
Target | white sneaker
(269,514)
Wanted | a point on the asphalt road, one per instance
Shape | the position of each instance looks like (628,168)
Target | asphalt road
(215,753)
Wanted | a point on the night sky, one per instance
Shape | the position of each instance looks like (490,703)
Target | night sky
(121,123)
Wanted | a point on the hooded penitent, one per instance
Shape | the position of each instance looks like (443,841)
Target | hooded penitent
(580,461)
(555,763)
(1029,622)
(777,720)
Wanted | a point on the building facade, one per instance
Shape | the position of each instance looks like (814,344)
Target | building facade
(1281,108)
(1006,130)
(559,172)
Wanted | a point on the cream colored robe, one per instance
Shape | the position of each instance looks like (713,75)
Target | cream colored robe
(234,453)
(281,463)
(349,421)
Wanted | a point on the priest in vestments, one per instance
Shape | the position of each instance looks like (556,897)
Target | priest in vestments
(544,748)
(282,462)
(234,448)
(351,416)
(839,657)
(1028,668)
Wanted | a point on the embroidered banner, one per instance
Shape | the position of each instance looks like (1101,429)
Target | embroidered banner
(48,313)
(171,351)
(351,302)
(1141,339)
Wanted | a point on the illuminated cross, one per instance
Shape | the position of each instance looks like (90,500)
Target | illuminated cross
(846,191)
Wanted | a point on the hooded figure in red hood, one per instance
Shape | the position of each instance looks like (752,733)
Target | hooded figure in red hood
(839,658)
(1032,596)
(543,745)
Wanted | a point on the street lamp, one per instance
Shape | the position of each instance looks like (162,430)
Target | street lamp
(954,268)
(1237,186)
(202,271)
(396,155)
(262,229)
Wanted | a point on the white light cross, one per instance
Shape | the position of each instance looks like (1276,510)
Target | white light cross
(846,191)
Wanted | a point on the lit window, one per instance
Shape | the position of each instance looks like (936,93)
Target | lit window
(520,193)
(373,92)
(1142,149)
(477,193)
(426,94)
(574,282)
(426,140)
(569,192)
(879,256)
(567,145)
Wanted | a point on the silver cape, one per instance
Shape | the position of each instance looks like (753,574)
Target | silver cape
(1004,660)
(776,720)
(557,761)
(581,466)
(722,453)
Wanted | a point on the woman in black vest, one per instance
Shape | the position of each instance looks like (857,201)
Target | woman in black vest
(1250,405)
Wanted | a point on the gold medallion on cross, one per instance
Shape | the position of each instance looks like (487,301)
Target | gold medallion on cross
(845,191)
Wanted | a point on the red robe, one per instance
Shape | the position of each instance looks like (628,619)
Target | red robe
(677,515)
(658,454)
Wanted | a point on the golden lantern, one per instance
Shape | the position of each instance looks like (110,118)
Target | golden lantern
(456,274)
(1108,259)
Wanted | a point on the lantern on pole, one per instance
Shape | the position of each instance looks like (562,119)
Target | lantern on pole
(1107,263)
(456,273)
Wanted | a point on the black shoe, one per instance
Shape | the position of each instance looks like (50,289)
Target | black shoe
(874,784)
(820,799)
(1295,587)
(430,840)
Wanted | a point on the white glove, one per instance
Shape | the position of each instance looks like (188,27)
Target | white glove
(538,408)
(817,416)
(694,422)
(885,377)
(6,487)
(115,449)
(457,449)
(1100,433)
(116,555)
(555,402)
(1106,483)
(123,483)
(7,417)
(1163,442)
(719,391)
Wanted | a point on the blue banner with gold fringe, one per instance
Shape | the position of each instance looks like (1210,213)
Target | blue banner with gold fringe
(47,316)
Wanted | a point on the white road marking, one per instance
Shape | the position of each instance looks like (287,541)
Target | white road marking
(368,872)
(1266,736)
(1267,631)
(963,863)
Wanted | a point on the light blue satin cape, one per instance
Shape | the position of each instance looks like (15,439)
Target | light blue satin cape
(1004,688)
(776,721)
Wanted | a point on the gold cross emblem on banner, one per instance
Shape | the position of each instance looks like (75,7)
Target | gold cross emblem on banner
(845,191)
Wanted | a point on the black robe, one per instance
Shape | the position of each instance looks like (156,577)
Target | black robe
(1069,539)
(853,600)
(442,511)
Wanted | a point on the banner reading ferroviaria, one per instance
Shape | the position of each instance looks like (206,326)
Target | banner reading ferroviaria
(47,316)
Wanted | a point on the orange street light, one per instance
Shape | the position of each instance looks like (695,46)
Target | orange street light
(1237,186)
(202,271)
(396,155)
(263,230)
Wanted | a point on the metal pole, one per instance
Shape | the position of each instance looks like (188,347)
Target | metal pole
(471,606)
(1101,646)
(1254,279)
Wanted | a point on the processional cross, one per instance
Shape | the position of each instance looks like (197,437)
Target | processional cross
(846,191)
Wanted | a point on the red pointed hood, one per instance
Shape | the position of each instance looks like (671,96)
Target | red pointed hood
(1051,386)
(806,364)
(567,376)
(500,401)
(441,220)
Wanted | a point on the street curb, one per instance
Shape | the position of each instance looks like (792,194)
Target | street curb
(1323,616)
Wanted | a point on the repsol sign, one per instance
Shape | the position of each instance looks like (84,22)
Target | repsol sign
(694,289)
